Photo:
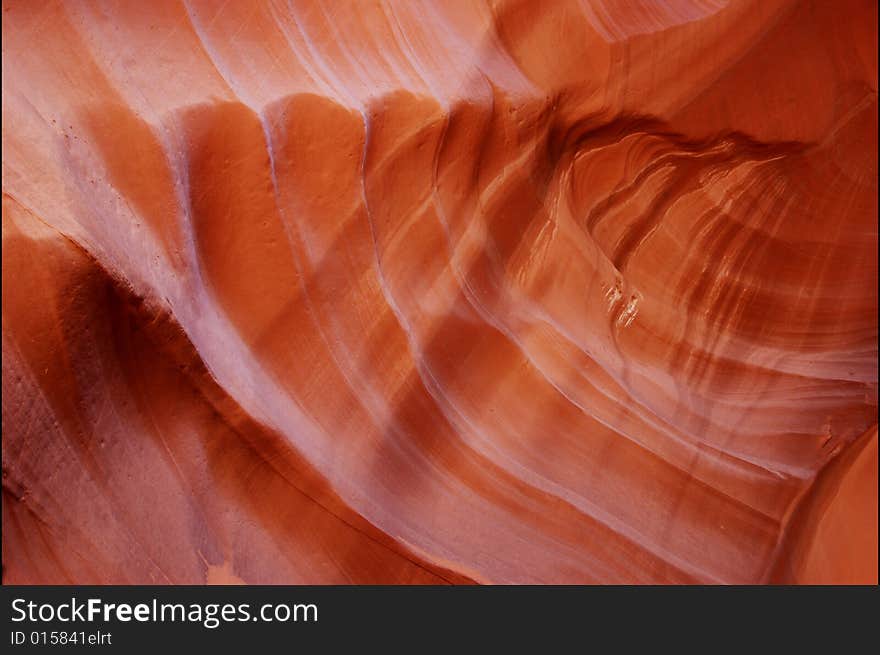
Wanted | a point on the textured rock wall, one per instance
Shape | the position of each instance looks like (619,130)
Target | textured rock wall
(424,292)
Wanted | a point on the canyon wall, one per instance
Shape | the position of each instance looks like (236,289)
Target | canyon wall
(516,291)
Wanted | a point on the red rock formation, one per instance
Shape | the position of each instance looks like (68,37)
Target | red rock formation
(414,292)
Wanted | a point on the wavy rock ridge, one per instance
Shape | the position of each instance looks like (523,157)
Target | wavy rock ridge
(415,292)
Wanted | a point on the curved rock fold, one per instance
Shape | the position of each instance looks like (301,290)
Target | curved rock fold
(418,292)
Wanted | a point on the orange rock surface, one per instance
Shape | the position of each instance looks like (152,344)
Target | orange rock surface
(422,292)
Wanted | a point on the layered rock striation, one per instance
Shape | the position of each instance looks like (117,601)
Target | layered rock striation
(428,292)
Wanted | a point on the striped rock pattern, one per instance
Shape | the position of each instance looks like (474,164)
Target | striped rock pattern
(428,292)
